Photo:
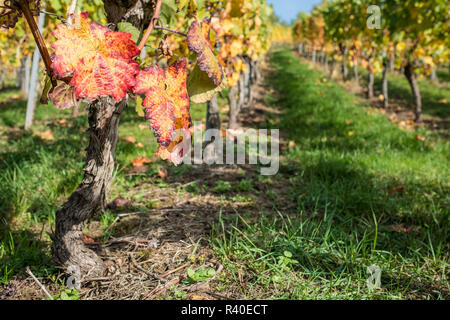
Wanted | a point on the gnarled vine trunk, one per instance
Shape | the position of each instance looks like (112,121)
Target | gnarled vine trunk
(90,196)
(412,79)
(234,110)
(212,114)
(384,85)
(370,85)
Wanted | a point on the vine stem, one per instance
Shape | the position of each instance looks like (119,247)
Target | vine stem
(151,26)
(39,40)
(171,31)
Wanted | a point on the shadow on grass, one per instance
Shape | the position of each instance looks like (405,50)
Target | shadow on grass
(21,249)
(352,167)
(433,94)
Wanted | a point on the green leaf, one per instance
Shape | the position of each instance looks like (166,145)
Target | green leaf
(201,88)
(129,28)
(139,107)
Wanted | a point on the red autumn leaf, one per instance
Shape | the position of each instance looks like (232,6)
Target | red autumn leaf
(63,96)
(139,161)
(10,15)
(87,239)
(396,189)
(420,138)
(198,38)
(162,173)
(166,99)
(98,60)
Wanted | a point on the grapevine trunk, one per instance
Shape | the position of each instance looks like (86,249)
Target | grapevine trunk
(412,79)
(89,198)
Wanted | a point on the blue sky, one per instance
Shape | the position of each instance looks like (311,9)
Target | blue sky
(287,9)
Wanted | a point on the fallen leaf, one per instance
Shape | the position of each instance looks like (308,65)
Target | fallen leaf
(420,138)
(118,202)
(162,173)
(395,190)
(46,135)
(443,101)
(195,297)
(140,145)
(402,228)
(351,133)
(129,139)
(292,144)
(139,161)
(87,239)
(381,97)
(142,126)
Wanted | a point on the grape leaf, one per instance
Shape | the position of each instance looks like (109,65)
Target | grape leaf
(129,28)
(201,88)
(98,60)
(139,107)
(199,41)
(10,16)
(63,96)
(166,99)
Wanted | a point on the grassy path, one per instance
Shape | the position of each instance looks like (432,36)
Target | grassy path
(376,193)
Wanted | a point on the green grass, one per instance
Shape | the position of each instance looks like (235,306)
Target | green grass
(345,218)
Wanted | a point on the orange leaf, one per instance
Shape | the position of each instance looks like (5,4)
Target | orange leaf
(46,135)
(87,239)
(199,41)
(129,139)
(162,173)
(98,60)
(396,189)
(139,161)
(420,138)
(166,99)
